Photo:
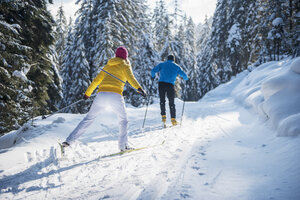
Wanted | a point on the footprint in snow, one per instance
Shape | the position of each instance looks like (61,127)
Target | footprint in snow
(185,196)
(28,157)
(59,120)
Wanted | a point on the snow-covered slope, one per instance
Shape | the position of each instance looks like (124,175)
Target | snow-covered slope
(226,148)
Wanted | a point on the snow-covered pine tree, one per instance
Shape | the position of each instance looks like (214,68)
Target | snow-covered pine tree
(229,40)
(177,16)
(158,24)
(144,62)
(237,41)
(75,73)
(66,68)
(251,33)
(162,29)
(178,46)
(61,30)
(279,30)
(27,71)
(276,34)
(117,23)
(293,16)
(218,60)
(211,56)
(86,33)
(191,93)
(104,45)
(78,70)
(246,32)
(203,32)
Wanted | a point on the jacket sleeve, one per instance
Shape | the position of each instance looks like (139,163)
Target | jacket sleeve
(155,70)
(130,77)
(95,83)
(182,74)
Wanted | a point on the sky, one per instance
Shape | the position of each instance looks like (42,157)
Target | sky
(197,9)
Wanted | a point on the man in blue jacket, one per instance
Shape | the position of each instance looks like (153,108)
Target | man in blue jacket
(168,72)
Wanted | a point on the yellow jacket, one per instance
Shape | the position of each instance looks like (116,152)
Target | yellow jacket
(119,68)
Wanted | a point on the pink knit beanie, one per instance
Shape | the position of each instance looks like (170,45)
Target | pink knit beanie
(122,52)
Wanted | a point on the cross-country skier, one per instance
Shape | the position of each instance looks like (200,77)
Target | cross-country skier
(109,94)
(168,71)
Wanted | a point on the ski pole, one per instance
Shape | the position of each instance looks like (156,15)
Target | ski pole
(183,103)
(146,110)
(74,103)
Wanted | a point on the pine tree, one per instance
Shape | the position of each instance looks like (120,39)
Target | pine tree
(30,84)
(84,31)
(191,85)
(75,73)
(61,34)
(117,23)
(162,29)
(293,26)
(144,62)
(203,32)
(245,33)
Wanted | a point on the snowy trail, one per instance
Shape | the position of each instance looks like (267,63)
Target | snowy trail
(222,151)
(211,157)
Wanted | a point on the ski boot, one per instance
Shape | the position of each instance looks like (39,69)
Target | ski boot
(174,122)
(62,147)
(127,147)
(65,144)
(164,119)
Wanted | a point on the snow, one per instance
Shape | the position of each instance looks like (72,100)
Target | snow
(273,91)
(12,27)
(296,65)
(20,74)
(226,148)
(234,35)
(277,21)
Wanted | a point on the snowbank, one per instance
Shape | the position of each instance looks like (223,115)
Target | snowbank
(273,91)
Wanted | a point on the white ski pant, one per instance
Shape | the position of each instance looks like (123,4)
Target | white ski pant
(103,100)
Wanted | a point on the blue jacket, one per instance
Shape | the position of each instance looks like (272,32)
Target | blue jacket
(168,72)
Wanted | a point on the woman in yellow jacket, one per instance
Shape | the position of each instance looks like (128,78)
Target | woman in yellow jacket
(109,94)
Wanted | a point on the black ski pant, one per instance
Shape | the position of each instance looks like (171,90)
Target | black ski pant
(167,89)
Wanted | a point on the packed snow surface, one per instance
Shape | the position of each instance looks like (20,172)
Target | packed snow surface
(226,148)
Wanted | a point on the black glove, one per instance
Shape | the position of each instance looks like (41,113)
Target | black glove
(142,92)
(85,97)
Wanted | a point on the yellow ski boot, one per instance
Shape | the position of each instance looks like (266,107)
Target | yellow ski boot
(164,119)
(174,122)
